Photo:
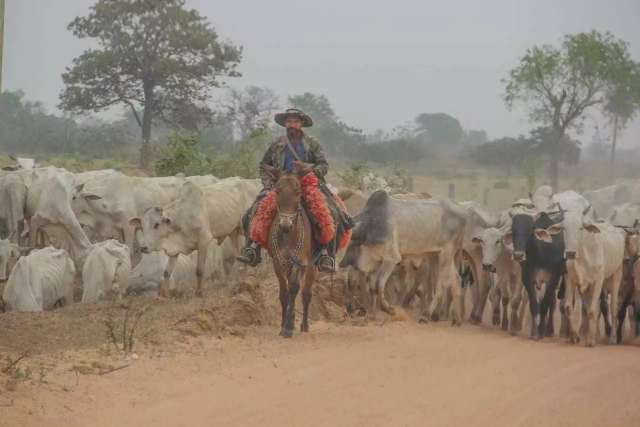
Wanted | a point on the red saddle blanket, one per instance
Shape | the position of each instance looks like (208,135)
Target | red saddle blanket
(317,206)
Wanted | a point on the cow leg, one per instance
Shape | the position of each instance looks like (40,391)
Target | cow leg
(515,302)
(622,313)
(306,298)
(494,298)
(613,284)
(534,307)
(455,290)
(164,287)
(609,317)
(549,307)
(294,288)
(568,303)
(383,275)
(591,301)
(505,311)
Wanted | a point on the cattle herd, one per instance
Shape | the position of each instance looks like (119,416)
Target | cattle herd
(128,235)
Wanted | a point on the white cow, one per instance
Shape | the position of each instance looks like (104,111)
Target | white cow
(195,218)
(625,214)
(21,163)
(478,219)
(13,193)
(545,200)
(48,210)
(40,280)
(497,257)
(604,199)
(107,266)
(148,275)
(105,204)
(9,254)
(393,230)
(594,254)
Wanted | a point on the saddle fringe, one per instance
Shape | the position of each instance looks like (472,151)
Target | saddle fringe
(316,203)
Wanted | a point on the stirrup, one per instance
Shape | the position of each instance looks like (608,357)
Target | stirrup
(326,264)
(249,256)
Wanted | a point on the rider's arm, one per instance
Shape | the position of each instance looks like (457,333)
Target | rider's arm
(320,165)
(267,159)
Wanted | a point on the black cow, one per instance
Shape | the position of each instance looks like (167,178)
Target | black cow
(534,255)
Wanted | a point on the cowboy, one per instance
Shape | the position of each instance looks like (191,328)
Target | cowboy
(301,153)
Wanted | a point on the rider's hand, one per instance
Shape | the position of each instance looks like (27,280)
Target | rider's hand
(302,167)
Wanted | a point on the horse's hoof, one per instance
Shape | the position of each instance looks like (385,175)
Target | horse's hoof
(287,333)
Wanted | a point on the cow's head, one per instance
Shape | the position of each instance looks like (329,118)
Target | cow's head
(632,240)
(522,226)
(9,254)
(92,211)
(156,231)
(493,242)
(575,225)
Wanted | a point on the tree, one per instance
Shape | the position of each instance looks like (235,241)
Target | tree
(440,129)
(476,137)
(558,85)
(251,109)
(333,133)
(156,57)
(622,101)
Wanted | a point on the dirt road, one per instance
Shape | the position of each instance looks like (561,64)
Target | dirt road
(396,374)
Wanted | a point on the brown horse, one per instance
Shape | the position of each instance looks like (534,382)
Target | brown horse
(291,249)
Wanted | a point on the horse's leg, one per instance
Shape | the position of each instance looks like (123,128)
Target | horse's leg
(283,300)
(294,287)
(306,297)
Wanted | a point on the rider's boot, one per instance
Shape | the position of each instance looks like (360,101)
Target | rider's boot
(326,262)
(250,254)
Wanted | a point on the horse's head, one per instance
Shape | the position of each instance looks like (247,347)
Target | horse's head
(288,191)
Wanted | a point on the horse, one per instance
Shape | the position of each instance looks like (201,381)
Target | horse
(291,249)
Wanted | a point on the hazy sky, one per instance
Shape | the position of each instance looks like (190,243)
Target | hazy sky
(379,62)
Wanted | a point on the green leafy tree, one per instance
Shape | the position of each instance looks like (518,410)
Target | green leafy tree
(622,101)
(558,85)
(336,136)
(440,129)
(158,58)
(251,109)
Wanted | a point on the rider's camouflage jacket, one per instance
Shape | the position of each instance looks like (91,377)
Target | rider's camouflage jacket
(274,157)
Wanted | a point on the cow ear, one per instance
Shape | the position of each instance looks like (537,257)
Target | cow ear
(15,251)
(507,239)
(592,228)
(91,197)
(10,168)
(135,223)
(543,235)
(555,229)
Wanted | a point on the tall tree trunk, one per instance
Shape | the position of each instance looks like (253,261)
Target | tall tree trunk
(554,169)
(614,139)
(145,150)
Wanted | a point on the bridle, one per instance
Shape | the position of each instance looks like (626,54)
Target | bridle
(291,257)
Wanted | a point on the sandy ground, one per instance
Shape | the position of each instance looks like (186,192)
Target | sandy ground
(391,373)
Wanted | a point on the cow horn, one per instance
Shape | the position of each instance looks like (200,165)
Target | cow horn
(636,223)
(510,214)
(586,210)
